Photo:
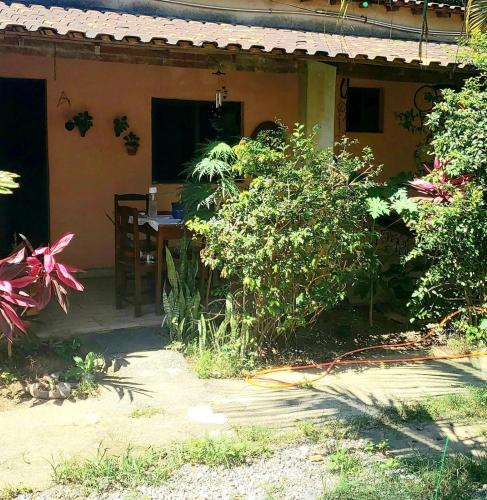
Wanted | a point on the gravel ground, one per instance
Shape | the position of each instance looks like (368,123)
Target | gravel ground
(294,472)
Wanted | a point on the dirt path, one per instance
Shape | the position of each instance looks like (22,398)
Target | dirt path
(34,436)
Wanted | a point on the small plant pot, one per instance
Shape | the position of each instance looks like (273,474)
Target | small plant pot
(132,149)
(69,125)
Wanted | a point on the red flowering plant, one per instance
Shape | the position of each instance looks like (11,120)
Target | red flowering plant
(437,185)
(28,277)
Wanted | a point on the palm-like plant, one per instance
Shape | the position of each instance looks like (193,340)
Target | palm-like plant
(210,180)
(476,17)
(8,182)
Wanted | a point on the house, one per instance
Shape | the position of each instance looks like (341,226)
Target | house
(163,64)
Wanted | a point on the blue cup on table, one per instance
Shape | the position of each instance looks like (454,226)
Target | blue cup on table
(177,210)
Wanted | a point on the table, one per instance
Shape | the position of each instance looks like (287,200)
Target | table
(165,228)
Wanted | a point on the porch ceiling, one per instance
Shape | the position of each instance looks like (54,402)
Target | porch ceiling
(162,31)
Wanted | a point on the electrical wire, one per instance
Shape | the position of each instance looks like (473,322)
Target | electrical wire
(329,365)
(313,13)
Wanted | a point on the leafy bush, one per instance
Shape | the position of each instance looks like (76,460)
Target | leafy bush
(451,225)
(292,242)
(459,126)
(450,237)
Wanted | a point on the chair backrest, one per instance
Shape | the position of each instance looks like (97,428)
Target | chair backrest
(132,197)
(127,237)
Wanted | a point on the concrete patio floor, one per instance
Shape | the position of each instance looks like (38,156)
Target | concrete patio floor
(91,311)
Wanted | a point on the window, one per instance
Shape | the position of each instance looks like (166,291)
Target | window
(364,109)
(179,127)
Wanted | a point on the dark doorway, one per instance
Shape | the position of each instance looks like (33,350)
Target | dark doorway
(23,150)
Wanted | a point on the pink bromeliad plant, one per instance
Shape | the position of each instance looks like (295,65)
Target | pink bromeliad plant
(438,186)
(28,279)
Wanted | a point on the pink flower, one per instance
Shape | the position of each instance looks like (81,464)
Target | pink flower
(53,276)
(439,177)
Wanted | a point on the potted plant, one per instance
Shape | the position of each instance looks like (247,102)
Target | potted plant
(132,143)
(83,120)
(120,125)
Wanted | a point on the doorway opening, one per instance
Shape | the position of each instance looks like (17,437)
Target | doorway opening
(23,150)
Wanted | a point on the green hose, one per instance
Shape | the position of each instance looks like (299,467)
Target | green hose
(440,471)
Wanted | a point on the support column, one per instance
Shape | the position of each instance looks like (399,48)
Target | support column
(317,82)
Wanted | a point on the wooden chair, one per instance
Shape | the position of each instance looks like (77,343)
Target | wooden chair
(130,240)
(133,198)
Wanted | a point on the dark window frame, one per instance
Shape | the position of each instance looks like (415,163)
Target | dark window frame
(198,139)
(361,128)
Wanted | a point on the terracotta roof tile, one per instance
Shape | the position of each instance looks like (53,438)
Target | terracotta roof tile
(93,23)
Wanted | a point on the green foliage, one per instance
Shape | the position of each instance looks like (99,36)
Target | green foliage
(85,369)
(294,240)
(182,303)
(379,447)
(469,405)
(106,472)
(8,182)
(345,461)
(153,467)
(7,377)
(477,335)
(413,479)
(86,388)
(459,121)
(223,345)
(11,492)
(397,202)
(450,238)
(226,451)
(66,349)
(335,429)
(210,180)
(120,125)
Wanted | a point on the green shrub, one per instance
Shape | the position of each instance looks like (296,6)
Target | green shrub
(450,237)
(292,242)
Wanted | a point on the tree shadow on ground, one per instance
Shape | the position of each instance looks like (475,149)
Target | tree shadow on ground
(363,396)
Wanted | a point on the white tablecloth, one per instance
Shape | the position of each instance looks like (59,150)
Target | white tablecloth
(154,222)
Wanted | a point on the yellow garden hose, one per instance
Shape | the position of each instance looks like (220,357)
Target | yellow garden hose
(329,365)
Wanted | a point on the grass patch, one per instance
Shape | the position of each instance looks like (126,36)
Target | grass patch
(345,461)
(86,389)
(147,412)
(338,429)
(469,405)
(412,479)
(153,467)
(11,492)
(214,364)
(227,451)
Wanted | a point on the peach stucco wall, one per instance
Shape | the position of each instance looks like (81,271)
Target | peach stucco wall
(84,173)
(394,147)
